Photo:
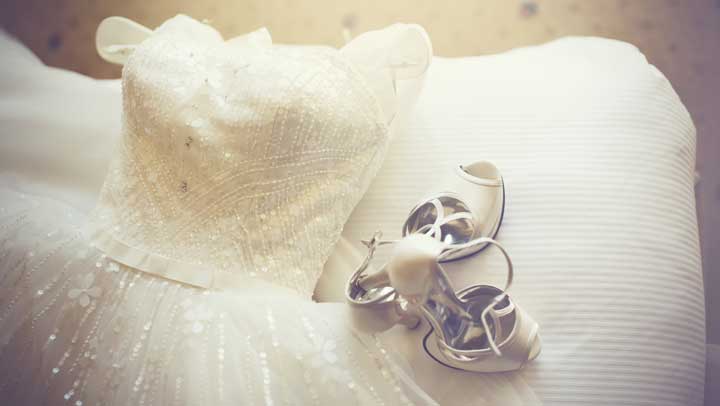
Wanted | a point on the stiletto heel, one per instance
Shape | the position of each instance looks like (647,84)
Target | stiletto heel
(374,304)
(477,329)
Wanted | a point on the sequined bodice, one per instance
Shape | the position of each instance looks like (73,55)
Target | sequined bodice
(237,158)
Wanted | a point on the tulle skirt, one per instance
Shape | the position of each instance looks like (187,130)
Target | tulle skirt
(78,328)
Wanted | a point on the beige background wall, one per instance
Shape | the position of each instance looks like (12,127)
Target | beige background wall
(681,37)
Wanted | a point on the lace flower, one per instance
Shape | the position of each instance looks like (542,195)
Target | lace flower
(324,353)
(85,291)
(112,267)
(197,317)
(324,362)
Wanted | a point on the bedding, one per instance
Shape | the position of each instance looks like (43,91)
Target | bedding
(598,155)
(597,152)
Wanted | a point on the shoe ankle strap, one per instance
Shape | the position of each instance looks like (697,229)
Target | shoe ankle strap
(497,299)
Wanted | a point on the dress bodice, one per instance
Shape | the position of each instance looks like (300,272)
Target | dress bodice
(237,157)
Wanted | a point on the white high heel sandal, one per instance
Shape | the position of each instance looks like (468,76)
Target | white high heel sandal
(471,207)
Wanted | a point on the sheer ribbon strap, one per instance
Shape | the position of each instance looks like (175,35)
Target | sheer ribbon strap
(392,59)
(117,37)
(489,309)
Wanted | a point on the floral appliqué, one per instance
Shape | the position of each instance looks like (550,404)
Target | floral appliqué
(112,267)
(324,361)
(196,316)
(85,291)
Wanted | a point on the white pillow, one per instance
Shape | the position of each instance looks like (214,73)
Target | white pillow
(597,153)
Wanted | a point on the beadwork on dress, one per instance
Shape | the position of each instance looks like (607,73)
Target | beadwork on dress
(190,283)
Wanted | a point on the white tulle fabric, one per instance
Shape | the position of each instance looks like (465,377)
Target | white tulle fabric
(238,165)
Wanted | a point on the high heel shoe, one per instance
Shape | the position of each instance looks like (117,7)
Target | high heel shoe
(477,329)
(471,207)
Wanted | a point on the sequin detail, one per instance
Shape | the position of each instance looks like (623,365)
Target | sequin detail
(233,164)
(243,160)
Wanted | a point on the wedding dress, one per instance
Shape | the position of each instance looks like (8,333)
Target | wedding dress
(191,281)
